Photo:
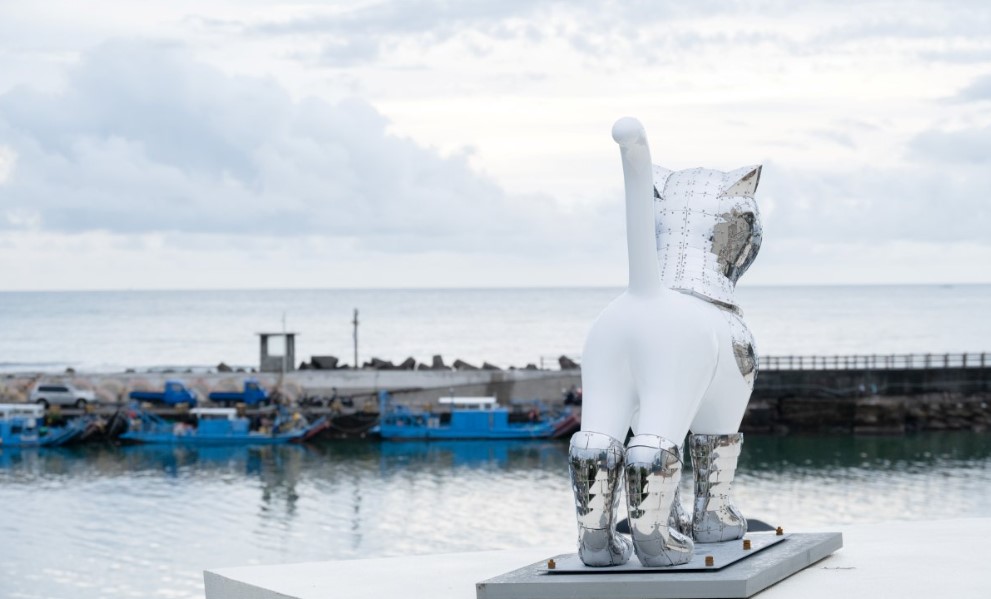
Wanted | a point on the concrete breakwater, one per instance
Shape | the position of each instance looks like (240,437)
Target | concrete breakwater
(868,396)
(409,386)
(871,400)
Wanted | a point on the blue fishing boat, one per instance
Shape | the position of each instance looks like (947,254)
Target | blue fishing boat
(469,418)
(214,426)
(22,425)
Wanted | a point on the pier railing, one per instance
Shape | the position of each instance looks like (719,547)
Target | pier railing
(876,362)
(848,362)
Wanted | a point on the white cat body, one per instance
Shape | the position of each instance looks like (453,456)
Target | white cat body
(647,363)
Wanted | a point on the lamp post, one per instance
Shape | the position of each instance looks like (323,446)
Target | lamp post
(355,336)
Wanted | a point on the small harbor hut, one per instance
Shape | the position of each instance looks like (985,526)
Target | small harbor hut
(277,352)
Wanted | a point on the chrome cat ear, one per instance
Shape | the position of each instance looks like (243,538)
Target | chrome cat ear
(742,181)
(661,175)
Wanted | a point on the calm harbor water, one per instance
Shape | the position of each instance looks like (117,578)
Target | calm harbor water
(107,522)
(114,330)
(144,522)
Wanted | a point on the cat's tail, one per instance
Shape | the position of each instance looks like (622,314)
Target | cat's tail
(640,233)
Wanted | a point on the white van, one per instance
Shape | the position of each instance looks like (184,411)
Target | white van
(61,394)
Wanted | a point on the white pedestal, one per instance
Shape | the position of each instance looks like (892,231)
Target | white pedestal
(893,559)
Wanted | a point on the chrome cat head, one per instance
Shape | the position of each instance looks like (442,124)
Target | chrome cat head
(707,227)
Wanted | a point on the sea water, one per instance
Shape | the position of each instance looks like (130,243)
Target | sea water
(105,522)
(114,330)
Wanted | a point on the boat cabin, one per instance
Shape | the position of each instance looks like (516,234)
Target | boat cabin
(19,423)
(219,421)
(467,418)
(21,410)
(476,414)
(478,403)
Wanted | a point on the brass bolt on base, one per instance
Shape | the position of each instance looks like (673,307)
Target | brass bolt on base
(551,564)
(746,544)
(780,531)
(709,561)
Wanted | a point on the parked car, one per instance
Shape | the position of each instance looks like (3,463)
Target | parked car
(61,394)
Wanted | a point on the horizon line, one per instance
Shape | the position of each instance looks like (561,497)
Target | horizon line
(468,288)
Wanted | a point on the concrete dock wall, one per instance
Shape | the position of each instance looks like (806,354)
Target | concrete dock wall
(870,401)
(416,386)
(860,401)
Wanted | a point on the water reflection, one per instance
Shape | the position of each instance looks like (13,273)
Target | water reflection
(128,461)
(894,453)
(144,521)
(470,454)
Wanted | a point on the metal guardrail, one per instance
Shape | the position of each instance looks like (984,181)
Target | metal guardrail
(876,362)
(849,362)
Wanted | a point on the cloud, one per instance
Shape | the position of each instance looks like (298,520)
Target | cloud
(344,52)
(978,90)
(967,54)
(414,17)
(876,205)
(834,136)
(801,262)
(100,260)
(643,32)
(965,146)
(358,35)
(145,139)
(8,159)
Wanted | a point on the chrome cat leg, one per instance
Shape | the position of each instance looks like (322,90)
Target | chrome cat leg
(680,519)
(715,518)
(596,464)
(653,471)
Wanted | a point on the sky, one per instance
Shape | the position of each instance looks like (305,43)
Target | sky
(427,143)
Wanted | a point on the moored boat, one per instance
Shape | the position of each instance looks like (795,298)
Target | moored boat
(213,426)
(22,425)
(469,418)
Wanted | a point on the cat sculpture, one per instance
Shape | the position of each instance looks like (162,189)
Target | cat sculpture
(670,354)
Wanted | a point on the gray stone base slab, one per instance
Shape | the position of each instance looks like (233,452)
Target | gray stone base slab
(723,555)
(744,578)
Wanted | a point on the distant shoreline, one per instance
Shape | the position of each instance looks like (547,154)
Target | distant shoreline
(617,287)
